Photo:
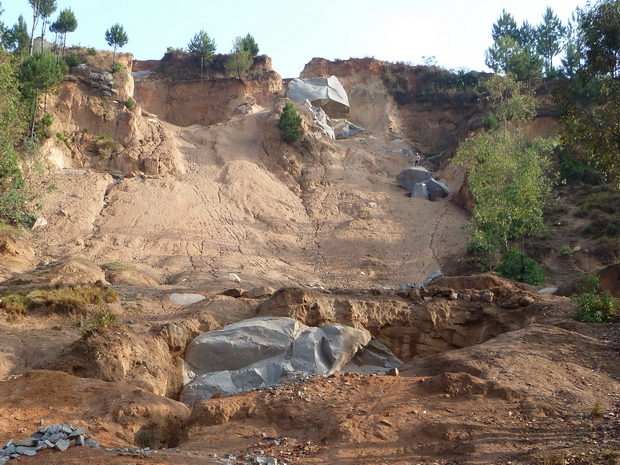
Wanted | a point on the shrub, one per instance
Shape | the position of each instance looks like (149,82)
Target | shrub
(116,67)
(290,123)
(103,319)
(566,251)
(514,265)
(73,59)
(594,307)
(70,299)
(489,122)
(14,304)
(129,103)
(92,51)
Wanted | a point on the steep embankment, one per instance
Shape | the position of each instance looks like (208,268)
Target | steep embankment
(241,200)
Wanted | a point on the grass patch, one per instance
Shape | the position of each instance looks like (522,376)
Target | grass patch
(117,266)
(71,299)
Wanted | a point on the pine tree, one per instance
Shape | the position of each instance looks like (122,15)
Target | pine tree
(239,60)
(290,123)
(66,22)
(203,47)
(116,37)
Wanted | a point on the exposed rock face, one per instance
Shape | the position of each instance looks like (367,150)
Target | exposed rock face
(16,256)
(102,132)
(208,101)
(448,319)
(262,351)
(326,93)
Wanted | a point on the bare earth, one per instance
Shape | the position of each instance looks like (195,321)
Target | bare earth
(484,382)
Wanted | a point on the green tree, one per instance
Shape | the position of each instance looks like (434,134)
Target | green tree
(66,22)
(12,125)
(506,26)
(46,9)
(589,104)
(506,55)
(250,45)
(203,47)
(550,37)
(37,74)
(239,60)
(290,123)
(116,37)
(19,38)
(507,173)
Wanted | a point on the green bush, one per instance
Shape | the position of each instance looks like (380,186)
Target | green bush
(489,122)
(73,59)
(594,307)
(92,51)
(514,265)
(129,103)
(290,123)
(117,67)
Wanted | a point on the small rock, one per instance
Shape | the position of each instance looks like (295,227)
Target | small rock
(393,372)
(526,300)
(453,296)
(487,297)
(63,444)
(261,292)
(229,277)
(235,292)
(29,451)
(28,442)
(39,223)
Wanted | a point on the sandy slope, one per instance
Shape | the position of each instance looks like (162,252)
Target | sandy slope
(343,221)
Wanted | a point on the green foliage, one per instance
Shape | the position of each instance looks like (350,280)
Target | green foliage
(116,37)
(103,319)
(290,123)
(92,51)
(514,265)
(70,299)
(592,306)
(65,23)
(249,45)
(106,145)
(575,168)
(130,103)
(489,122)
(550,36)
(14,304)
(589,99)
(116,67)
(74,59)
(507,176)
(239,60)
(566,251)
(203,47)
(434,85)
(144,439)
(38,73)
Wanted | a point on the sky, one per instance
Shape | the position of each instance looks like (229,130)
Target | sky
(455,32)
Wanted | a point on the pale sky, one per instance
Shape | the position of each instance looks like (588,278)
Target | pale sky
(455,32)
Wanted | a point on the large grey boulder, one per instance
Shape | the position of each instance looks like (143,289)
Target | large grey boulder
(420,183)
(326,93)
(265,351)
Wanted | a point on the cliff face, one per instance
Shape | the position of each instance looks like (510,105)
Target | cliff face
(207,101)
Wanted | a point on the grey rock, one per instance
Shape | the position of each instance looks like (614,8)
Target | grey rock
(431,276)
(63,444)
(326,93)
(79,440)
(77,432)
(185,299)
(92,443)
(345,129)
(28,442)
(23,450)
(49,444)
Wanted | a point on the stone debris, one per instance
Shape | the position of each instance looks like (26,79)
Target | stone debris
(59,437)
